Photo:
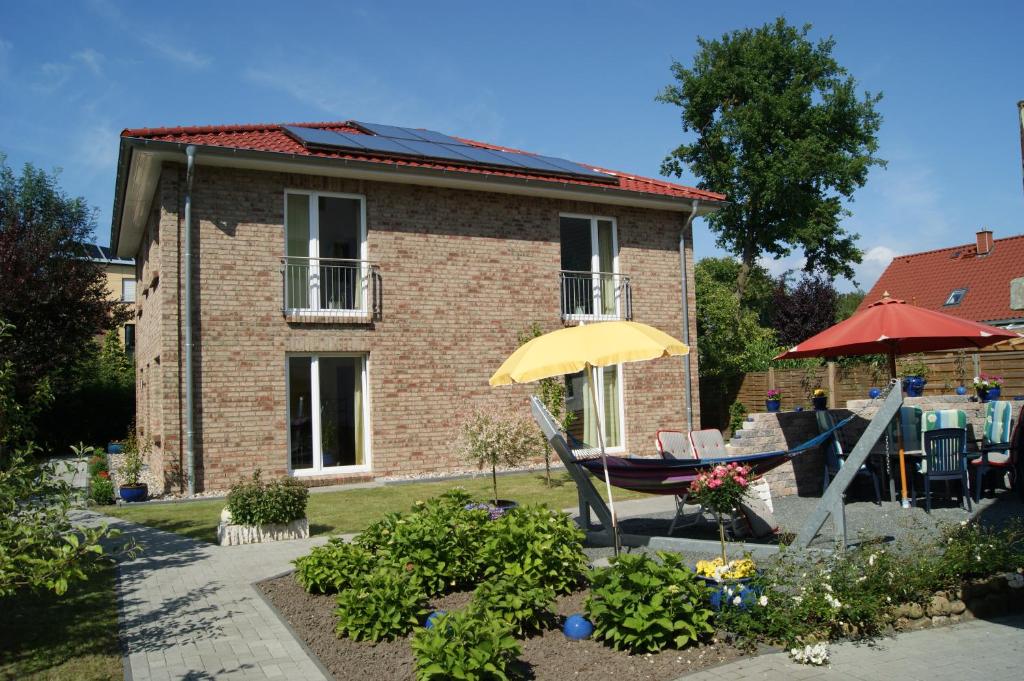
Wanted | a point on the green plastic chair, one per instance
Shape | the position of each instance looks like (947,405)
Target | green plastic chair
(998,427)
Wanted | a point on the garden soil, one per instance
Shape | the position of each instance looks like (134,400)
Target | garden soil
(546,657)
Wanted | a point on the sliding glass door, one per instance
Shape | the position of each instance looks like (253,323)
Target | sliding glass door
(327,413)
(579,402)
(590,266)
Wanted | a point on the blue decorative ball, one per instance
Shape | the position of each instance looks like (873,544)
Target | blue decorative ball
(874,393)
(961,390)
(577,628)
(433,616)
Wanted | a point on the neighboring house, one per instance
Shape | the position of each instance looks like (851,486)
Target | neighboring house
(354,286)
(981,281)
(120,286)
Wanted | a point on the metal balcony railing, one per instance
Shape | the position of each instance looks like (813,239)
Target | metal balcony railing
(595,296)
(331,288)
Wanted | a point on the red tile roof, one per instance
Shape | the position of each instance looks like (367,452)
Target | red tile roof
(926,279)
(272,138)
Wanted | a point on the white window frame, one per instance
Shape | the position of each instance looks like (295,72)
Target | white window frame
(314,250)
(599,390)
(595,267)
(134,287)
(314,398)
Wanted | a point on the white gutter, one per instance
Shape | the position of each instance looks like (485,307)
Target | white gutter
(190,455)
(687,375)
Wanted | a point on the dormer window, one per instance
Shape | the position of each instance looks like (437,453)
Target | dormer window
(956,297)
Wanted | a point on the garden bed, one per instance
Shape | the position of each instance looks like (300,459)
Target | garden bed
(547,656)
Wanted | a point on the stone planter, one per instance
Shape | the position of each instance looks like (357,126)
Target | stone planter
(234,535)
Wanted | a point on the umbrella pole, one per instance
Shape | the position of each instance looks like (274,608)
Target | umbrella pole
(905,502)
(604,459)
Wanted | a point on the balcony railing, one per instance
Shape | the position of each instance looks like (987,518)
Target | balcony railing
(331,288)
(595,296)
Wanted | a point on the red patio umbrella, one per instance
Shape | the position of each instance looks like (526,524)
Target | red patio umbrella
(893,327)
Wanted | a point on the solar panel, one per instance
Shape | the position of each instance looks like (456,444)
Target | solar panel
(391,139)
(315,136)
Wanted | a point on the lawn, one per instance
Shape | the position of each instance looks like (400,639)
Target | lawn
(352,510)
(62,638)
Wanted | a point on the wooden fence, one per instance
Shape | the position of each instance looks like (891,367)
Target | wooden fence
(946,370)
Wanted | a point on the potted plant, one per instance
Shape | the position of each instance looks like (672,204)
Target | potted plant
(774,400)
(915,375)
(491,440)
(989,388)
(820,399)
(130,488)
(721,490)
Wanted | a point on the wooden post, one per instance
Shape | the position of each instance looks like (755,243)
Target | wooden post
(831,380)
(976,358)
(771,378)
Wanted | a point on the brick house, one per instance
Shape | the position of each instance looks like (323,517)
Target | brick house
(353,287)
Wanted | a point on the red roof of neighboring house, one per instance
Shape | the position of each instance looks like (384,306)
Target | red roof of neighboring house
(273,138)
(926,280)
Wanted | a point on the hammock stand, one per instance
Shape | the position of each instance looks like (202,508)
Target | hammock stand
(656,476)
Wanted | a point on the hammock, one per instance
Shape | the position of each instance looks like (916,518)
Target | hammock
(658,476)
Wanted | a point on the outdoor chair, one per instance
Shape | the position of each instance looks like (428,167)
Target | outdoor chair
(945,453)
(675,445)
(998,427)
(708,444)
(835,457)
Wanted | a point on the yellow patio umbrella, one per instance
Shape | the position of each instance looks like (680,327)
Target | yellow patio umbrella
(585,348)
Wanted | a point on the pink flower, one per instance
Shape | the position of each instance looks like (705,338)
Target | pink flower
(714,484)
(719,470)
(742,482)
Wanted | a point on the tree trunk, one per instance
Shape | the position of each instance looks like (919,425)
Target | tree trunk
(743,278)
(721,538)
(494,482)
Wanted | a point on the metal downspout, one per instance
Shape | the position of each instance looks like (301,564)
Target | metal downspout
(190,154)
(688,392)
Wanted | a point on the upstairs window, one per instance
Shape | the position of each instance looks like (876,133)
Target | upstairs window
(128,290)
(956,297)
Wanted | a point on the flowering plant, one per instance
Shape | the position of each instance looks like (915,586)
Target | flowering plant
(820,392)
(718,570)
(816,655)
(720,490)
(774,394)
(984,382)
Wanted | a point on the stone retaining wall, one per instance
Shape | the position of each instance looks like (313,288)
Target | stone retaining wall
(764,432)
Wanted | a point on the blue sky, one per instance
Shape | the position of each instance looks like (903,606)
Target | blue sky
(572,79)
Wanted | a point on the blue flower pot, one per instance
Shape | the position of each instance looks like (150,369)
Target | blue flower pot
(772,405)
(874,393)
(114,448)
(577,628)
(994,393)
(133,493)
(914,386)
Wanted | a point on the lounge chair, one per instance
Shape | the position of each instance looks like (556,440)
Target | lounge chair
(998,427)
(674,445)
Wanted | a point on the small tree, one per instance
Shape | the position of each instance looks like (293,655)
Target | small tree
(721,490)
(551,393)
(491,440)
(804,309)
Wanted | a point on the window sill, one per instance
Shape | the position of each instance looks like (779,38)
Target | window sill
(328,316)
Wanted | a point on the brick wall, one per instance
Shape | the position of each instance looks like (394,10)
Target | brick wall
(463,274)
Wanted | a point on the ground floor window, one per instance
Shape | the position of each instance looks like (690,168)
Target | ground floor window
(327,410)
(579,402)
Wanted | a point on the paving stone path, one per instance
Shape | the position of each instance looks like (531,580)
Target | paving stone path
(190,611)
(990,650)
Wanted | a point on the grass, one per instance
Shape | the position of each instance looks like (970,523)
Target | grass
(352,510)
(62,638)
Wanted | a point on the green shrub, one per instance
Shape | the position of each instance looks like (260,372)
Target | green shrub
(547,544)
(516,597)
(101,490)
(260,503)
(737,416)
(438,541)
(642,606)
(469,645)
(135,453)
(972,550)
(381,605)
(97,462)
(333,567)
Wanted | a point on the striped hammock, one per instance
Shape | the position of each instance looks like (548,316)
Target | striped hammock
(660,476)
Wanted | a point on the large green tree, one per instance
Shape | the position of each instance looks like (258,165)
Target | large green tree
(779,128)
(49,291)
